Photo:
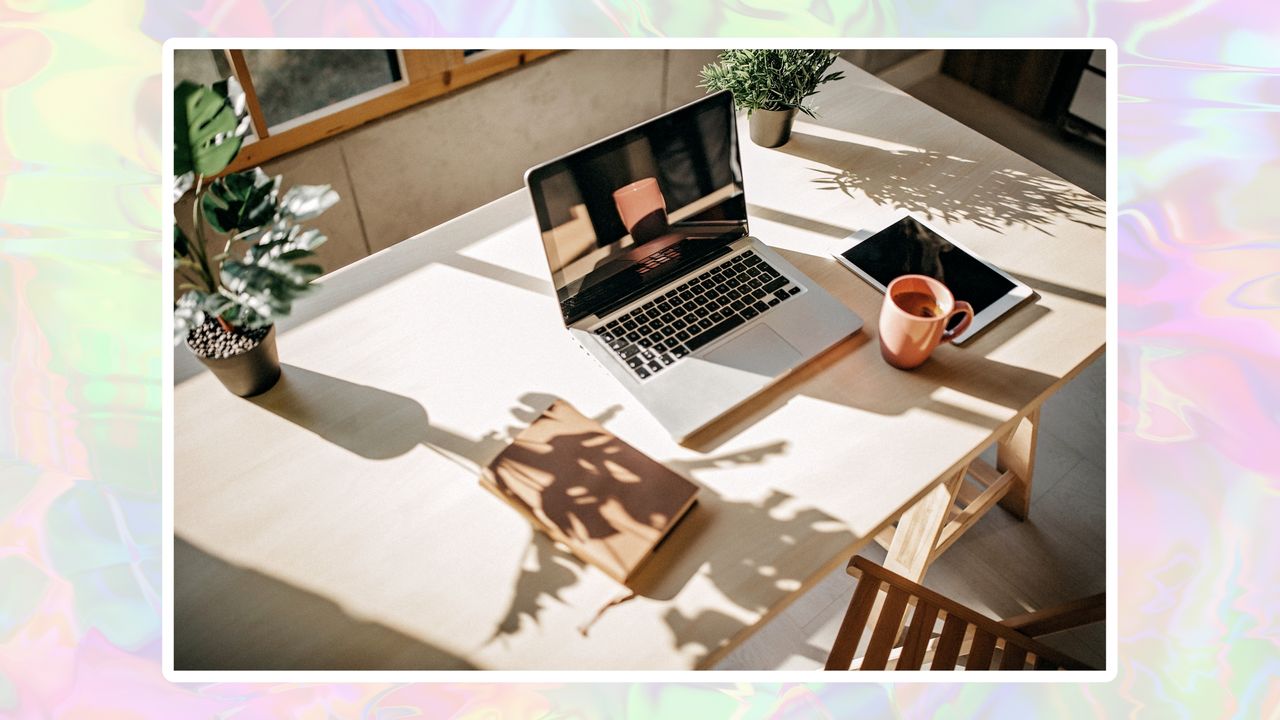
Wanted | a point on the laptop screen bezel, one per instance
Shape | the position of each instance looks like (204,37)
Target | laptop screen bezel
(536,175)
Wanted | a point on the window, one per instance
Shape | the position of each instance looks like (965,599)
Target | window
(298,97)
(292,84)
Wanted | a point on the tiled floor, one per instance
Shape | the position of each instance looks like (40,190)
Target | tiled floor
(1001,567)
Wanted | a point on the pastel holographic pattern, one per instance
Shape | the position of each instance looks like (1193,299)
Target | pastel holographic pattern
(80,314)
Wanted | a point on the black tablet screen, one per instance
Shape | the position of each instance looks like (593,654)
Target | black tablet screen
(909,248)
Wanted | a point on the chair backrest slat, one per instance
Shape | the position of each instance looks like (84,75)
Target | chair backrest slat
(1044,663)
(918,635)
(980,652)
(1017,650)
(886,630)
(1014,657)
(953,631)
(855,620)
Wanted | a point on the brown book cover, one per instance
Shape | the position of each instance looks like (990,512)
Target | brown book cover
(607,502)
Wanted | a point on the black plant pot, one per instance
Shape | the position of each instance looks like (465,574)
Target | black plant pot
(249,373)
(772,128)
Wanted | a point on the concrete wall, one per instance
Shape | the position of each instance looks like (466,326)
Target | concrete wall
(424,165)
(875,61)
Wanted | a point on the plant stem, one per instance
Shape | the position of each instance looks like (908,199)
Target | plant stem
(214,285)
(227,325)
(189,275)
(226,250)
(199,246)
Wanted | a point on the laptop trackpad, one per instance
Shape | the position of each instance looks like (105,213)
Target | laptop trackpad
(759,350)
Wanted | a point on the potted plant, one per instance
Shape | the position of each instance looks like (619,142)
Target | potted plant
(772,85)
(231,298)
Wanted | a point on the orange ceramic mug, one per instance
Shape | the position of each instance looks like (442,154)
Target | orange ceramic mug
(914,318)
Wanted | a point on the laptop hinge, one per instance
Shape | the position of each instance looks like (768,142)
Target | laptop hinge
(621,300)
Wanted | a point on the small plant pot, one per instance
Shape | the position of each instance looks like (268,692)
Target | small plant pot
(251,372)
(772,128)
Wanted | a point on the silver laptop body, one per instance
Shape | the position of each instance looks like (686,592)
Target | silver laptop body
(661,282)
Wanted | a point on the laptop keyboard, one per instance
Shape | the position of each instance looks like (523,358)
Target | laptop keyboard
(653,336)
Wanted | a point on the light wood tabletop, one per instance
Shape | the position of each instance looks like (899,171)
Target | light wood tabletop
(336,520)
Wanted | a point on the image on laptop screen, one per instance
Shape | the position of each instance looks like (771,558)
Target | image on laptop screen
(632,209)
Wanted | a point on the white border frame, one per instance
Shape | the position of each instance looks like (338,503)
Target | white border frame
(1019,294)
(669,676)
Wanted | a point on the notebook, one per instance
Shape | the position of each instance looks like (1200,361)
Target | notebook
(607,502)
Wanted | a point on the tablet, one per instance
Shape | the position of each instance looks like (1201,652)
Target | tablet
(910,247)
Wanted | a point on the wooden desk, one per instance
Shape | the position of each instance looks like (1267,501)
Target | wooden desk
(336,521)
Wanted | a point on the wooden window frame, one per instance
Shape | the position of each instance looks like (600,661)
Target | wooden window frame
(426,74)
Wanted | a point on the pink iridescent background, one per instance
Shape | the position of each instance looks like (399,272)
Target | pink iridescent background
(80,314)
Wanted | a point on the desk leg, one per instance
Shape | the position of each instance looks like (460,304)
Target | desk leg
(1017,454)
(911,549)
(919,528)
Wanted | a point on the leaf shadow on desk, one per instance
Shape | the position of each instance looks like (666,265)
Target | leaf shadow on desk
(368,421)
(228,617)
(545,569)
(744,577)
(545,572)
(1005,198)
(696,546)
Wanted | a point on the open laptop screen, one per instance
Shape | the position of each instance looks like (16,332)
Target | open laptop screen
(625,214)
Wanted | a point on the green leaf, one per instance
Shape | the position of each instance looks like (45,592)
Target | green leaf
(241,201)
(188,313)
(770,79)
(303,202)
(292,255)
(181,246)
(297,276)
(182,183)
(217,304)
(208,125)
(283,239)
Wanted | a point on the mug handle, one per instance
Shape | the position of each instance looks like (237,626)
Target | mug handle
(964,308)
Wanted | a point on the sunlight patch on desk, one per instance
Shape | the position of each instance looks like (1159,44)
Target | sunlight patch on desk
(844,136)
(775,217)
(492,258)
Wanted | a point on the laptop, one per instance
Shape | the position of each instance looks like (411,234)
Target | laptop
(658,276)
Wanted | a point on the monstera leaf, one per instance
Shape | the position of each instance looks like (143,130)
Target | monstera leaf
(260,294)
(208,125)
(193,308)
(303,202)
(188,313)
(284,239)
(181,245)
(241,201)
(182,183)
(183,257)
(247,207)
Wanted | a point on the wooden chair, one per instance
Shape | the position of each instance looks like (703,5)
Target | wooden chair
(966,636)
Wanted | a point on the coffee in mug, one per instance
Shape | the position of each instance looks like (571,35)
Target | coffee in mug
(919,304)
